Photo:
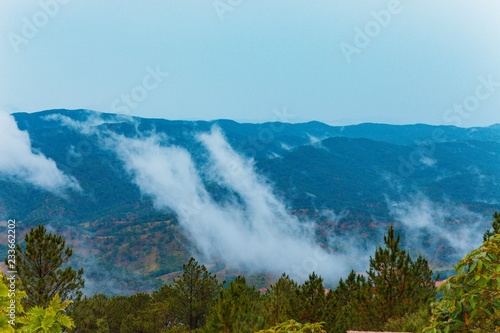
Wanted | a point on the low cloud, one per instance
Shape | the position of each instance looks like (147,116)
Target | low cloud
(252,230)
(439,224)
(89,126)
(21,163)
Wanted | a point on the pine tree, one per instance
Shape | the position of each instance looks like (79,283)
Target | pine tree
(313,299)
(281,301)
(237,309)
(139,316)
(91,314)
(41,272)
(345,304)
(398,284)
(196,289)
(165,307)
(118,308)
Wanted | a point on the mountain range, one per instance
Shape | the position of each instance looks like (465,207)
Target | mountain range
(349,181)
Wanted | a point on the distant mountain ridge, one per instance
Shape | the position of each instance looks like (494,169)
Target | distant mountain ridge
(286,153)
(355,171)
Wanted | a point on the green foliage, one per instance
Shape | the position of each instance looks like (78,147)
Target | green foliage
(411,322)
(196,291)
(165,308)
(237,309)
(399,285)
(293,326)
(51,319)
(40,269)
(136,313)
(396,286)
(102,326)
(90,314)
(117,309)
(471,299)
(344,304)
(312,299)
(138,317)
(172,308)
(281,302)
(339,176)
(5,302)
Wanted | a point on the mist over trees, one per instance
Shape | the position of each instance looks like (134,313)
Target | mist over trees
(394,287)
(396,293)
(348,171)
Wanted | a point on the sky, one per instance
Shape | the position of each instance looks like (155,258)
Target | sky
(339,61)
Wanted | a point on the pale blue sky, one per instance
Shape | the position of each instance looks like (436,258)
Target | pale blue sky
(253,58)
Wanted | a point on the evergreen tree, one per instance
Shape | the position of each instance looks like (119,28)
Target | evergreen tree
(281,302)
(237,309)
(345,304)
(138,318)
(165,307)
(117,309)
(313,300)
(398,284)
(90,314)
(40,269)
(102,326)
(196,289)
(495,225)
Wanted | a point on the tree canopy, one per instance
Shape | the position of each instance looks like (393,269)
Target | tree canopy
(41,269)
(470,300)
(196,291)
(395,286)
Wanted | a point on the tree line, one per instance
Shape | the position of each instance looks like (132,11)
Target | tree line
(396,293)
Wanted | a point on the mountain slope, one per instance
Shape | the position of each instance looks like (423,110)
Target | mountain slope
(350,180)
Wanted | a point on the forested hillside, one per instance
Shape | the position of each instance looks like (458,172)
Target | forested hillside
(351,182)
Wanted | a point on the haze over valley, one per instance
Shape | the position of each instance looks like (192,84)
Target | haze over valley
(137,197)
